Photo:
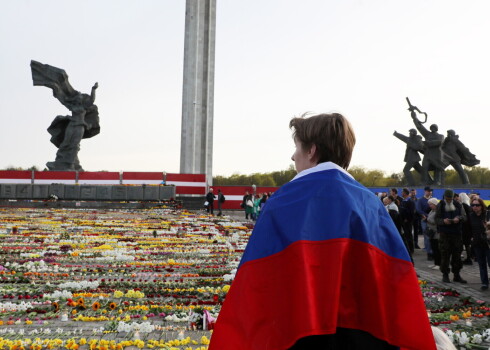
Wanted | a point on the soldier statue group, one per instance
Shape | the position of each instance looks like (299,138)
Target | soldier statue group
(438,152)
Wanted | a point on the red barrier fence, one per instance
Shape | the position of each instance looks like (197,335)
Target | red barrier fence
(15,177)
(142,178)
(59,177)
(99,178)
(234,194)
(188,183)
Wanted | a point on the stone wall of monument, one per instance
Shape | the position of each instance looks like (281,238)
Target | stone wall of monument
(86,192)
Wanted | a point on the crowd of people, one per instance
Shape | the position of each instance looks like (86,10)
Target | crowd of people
(454,229)
(253,204)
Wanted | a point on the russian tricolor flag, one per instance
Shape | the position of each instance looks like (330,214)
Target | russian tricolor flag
(324,254)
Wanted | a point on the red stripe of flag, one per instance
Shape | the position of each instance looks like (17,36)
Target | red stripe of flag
(314,287)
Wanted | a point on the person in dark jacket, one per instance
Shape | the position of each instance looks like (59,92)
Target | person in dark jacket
(210,199)
(407,211)
(416,219)
(221,200)
(449,217)
(393,210)
(398,199)
(423,209)
(478,225)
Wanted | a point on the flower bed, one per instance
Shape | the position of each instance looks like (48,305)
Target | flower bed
(113,279)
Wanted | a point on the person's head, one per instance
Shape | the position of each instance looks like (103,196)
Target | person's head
(391,199)
(394,192)
(433,203)
(211,189)
(456,197)
(386,201)
(322,138)
(448,196)
(451,133)
(413,192)
(219,190)
(247,193)
(427,192)
(434,128)
(478,206)
(412,132)
(405,193)
(474,195)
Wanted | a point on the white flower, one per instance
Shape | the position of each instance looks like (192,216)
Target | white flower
(123,327)
(80,285)
(146,327)
(486,335)
(476,339)
(59,295)
(463,338)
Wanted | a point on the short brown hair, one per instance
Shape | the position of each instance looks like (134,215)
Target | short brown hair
(332,134)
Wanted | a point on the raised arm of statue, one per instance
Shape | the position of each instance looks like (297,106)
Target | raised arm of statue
(401,136)
(92,93)
(418,124)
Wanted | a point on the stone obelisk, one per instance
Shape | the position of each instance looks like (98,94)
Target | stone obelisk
(196,150)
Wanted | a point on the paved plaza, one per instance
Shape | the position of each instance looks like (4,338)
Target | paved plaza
(471,273)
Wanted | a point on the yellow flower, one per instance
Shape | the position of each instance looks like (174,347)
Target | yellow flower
(204,340)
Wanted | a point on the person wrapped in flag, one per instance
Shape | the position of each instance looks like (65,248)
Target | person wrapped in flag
(325,267)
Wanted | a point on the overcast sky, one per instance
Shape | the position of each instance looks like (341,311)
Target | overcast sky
(275,59)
